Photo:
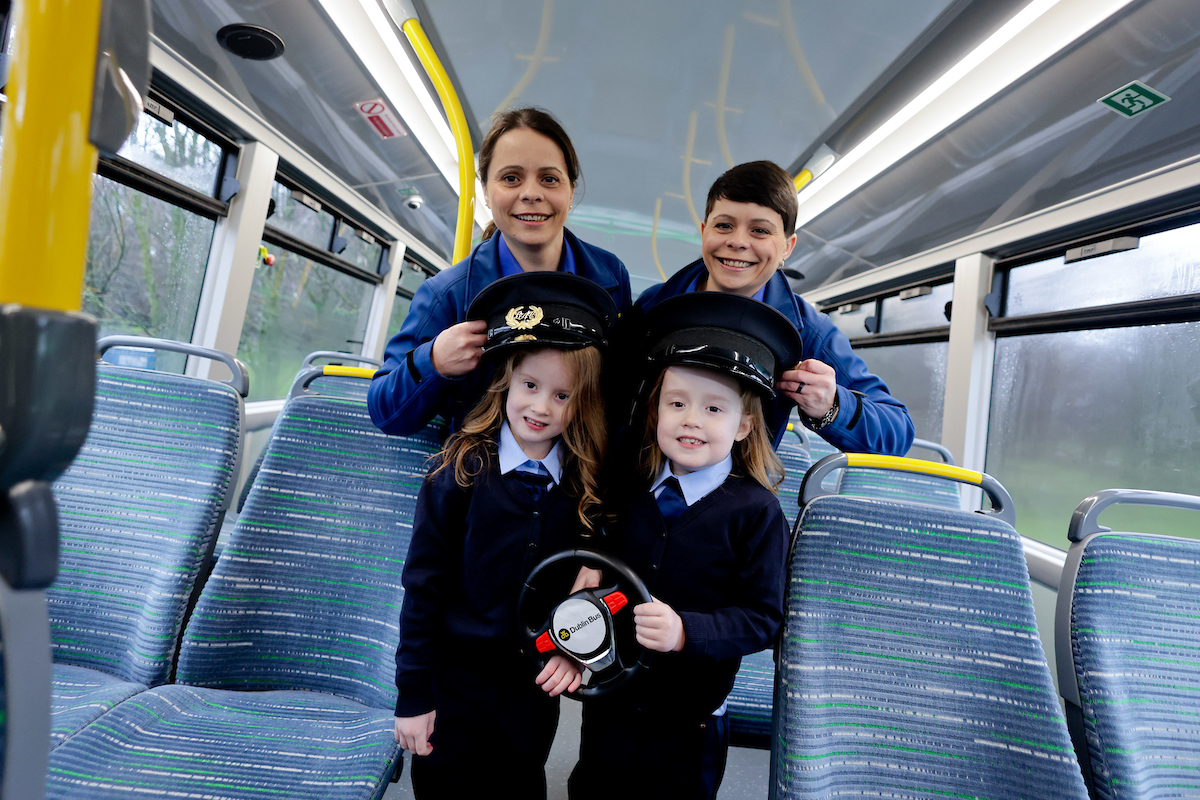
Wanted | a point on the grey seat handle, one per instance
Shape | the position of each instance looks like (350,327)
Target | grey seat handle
(335,354)
(940,449)
(241,377)
(1085,519)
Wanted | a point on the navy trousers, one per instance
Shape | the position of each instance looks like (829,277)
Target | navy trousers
(491,737)
(630,753)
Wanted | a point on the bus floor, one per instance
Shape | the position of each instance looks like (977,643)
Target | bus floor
(746,773)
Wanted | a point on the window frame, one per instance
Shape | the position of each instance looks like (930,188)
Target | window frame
(291,181)
(147,181)
(1133,314)
(937,333)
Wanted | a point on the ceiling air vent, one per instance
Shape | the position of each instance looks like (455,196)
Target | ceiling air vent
(250,41)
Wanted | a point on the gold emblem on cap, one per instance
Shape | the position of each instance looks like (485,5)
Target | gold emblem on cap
(523,317)
(525,337)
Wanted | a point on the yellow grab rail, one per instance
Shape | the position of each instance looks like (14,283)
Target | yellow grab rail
(349,372)
(46,172)
(802,179)
(458,126)
(960,474)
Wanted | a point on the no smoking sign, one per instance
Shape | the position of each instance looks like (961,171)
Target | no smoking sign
(381,118)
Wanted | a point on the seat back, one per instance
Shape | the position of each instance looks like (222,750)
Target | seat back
(306,594)
(907,486)
(138,510)
(910,662)
(796,462)
(1128,637)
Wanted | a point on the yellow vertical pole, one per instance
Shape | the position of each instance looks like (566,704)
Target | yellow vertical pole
(45,176)
(458,126)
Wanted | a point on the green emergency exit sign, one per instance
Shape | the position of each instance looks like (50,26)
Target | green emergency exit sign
(1133,99)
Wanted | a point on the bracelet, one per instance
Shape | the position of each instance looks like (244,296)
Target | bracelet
(825,421)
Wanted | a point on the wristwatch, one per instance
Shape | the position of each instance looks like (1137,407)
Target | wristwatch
(825,421)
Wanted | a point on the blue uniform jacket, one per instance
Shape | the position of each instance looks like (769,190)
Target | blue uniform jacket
(869,419)
(720,565)
(470,553)
(408,392)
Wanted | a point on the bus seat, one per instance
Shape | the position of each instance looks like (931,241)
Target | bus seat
(751,699)
(910,663)
(285,685)
(910,486)
(138,510)
(796,461)
(1127,634)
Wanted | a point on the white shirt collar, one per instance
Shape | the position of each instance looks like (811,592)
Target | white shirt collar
(696,485)
(512,456)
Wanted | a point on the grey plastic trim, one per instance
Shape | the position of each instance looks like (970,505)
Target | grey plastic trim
(941,450)
(1084,520)
(26,624)
(1068,686)
(811,488)
(241,377)
(311,357)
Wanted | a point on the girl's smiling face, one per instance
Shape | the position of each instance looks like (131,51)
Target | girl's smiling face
(742,245)
(537,401)
(528,189)
(700,416)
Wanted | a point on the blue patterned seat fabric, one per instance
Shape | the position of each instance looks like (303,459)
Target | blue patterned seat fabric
(1135,641)
(137,510)
(288,658)
(751,699)
(888,484)
(911,665)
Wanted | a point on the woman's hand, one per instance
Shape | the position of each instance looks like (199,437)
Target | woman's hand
(659,628)
(560,674)
(812,385)
(457,349)
(413,733)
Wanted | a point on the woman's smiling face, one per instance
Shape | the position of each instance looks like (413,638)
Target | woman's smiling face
(742,245)
(528,189)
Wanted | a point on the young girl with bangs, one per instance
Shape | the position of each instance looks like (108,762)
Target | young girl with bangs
(518,482)
(706,533)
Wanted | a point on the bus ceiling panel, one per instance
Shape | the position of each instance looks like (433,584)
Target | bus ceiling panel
(661,98)
(1044,141)
(308,95)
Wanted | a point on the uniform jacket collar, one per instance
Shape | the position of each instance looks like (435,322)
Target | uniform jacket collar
(483,265)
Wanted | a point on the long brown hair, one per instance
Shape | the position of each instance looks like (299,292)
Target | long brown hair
(584,436)
(753,456)
(536,120)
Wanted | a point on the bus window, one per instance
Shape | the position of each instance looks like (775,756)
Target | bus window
(298,305)
(916,376)
(146,260)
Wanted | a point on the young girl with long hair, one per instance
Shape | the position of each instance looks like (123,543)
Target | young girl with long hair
(519,481)
(706,533)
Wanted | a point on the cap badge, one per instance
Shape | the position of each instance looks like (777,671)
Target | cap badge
(525,337)
(523,317)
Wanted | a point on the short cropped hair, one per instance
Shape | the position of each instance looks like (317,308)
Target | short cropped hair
(763,183)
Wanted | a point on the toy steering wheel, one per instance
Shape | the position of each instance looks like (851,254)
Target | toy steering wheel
(589,626)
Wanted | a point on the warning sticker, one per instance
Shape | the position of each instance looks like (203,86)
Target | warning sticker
(382,119)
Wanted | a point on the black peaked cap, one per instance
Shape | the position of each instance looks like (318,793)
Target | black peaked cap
(544,309)
(725,332)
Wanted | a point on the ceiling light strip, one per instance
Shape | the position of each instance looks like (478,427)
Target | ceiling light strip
(1033,35)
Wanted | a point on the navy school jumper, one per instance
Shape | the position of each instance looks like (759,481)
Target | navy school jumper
(471,551)
(869,419)
(720,566)
(407,391)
